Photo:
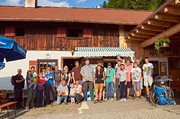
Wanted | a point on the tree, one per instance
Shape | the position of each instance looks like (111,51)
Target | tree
(105,5)
(134,4)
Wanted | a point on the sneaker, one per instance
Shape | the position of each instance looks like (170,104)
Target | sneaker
(95,101)
(124,99)
(112,99)
(105,99)
(27,108)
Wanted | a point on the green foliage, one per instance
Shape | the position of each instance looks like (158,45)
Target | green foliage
(160,42)
(134,4)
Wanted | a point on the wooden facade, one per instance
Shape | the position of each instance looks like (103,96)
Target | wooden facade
(43,35)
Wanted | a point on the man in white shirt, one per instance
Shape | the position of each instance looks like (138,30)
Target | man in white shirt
(148,73)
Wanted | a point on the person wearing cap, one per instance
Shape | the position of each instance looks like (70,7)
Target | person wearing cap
(18,86)
(49,86)
(110,80)
(87,73)
(119,58)
(31,90)
(76,75)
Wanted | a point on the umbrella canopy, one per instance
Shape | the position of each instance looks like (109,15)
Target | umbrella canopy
(2,65)
(10,50)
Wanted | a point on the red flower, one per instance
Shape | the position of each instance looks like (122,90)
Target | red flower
(161,37)
(165,35)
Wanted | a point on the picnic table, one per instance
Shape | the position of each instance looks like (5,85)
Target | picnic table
(8,105)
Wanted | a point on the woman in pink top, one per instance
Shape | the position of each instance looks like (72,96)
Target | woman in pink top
(128,67)
(40,90)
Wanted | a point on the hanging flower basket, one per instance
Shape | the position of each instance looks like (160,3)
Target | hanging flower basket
(163,42)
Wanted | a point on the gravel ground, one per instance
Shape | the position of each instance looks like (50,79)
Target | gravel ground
(107,110)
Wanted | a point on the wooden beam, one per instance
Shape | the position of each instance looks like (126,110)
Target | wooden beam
(152,28)
(146,32)
(177,2)
(172,10)
(169,32)
(141,35)
(160,23)
(169,18)
(135,38)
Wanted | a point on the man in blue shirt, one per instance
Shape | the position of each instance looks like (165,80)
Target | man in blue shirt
(49,85)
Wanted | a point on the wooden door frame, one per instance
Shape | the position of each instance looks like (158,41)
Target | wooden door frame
(62,60)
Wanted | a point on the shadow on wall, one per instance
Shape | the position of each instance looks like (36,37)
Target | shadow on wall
(5,83)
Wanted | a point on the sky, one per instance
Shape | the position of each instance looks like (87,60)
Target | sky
(57,3)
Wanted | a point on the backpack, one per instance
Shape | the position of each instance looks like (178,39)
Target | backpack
(13,80)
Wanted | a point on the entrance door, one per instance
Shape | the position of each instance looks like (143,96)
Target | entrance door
(156,68)
(70,62)
(46,63)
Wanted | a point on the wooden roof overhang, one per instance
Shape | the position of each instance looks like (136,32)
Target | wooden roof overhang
(164,21)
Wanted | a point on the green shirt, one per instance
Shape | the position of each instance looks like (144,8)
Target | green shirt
(112,73)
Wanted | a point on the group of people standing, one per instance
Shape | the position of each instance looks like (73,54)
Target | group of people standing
(73,85)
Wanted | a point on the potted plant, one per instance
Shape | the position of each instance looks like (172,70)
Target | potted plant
(162,42)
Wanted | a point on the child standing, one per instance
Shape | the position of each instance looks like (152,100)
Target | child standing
(136,76)
(72,93)
(40,90)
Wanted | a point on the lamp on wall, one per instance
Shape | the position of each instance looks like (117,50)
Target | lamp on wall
(72,51)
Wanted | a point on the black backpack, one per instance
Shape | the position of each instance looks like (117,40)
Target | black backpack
(13,80)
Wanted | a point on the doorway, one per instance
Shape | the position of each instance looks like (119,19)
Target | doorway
(70,62)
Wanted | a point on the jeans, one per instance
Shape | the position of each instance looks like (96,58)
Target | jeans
(39,98)
(111,86)
(78,98)
(47,89)
(56,85)
(60,98)
(123,90)
(117,89)
(30,98)
(87,84)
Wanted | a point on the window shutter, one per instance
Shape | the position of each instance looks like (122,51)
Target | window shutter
(33,63)
(10,31)
(61,32)
(87,32)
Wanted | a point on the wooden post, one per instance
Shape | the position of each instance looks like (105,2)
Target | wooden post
(171,31)
(121,37)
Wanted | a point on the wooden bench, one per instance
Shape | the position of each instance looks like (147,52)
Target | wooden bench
(8,105)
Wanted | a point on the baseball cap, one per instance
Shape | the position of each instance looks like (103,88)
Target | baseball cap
(76,61)
(48,69)
(109,64)
(19,70)
(119,55)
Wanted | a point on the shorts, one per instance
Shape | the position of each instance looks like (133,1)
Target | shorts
(129,84)
(99,86)
(141,85)
(148,81)
(137,86)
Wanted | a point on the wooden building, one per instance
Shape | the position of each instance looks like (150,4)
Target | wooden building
(164,21)
(51,34)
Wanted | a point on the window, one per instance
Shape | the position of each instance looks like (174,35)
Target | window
(73,32)
(20,31)
(46,64)
(174,63)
